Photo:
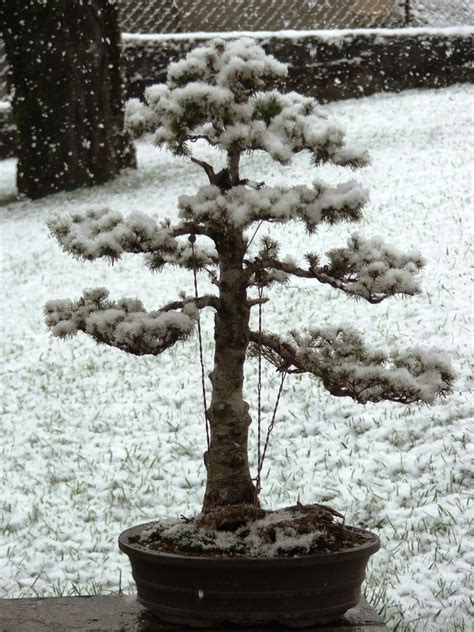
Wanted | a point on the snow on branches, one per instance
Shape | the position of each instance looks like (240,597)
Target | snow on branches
(100,233)
(370,269)
(240,206)
(217,94)
(239,65)
(346,367)
(367,268)
(124,324)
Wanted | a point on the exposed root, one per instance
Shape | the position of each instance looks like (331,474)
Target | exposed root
(229,517)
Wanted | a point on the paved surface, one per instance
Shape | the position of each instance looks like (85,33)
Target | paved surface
(124,614)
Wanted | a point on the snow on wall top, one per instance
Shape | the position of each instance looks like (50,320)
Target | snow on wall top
(292,34)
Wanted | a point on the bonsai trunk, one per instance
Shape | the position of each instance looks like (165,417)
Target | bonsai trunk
(228,475)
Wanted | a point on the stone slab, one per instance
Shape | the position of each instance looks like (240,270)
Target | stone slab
(125,614)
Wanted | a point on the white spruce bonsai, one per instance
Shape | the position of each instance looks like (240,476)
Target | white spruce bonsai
(217,95)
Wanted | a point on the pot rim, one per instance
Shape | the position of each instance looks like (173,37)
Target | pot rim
(360,550)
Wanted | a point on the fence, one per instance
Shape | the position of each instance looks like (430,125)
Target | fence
(185,16)
(3,71)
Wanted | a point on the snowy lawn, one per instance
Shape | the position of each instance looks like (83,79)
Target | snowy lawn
(94,440)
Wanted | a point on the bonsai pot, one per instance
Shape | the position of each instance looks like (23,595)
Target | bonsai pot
(199,591)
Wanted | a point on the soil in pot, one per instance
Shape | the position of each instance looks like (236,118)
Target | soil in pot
(248,531)
(299,566)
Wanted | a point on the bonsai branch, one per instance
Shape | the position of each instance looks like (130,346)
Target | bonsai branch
(344,365)
(252,184)
(290,268)
(194,137)
(209,169)
(257,301)
(223,179)
(200,303)
(191,228)
(356,283)
(276,351)
(125,324)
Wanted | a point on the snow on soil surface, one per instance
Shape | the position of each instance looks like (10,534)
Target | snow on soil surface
(94,440)
(250,539)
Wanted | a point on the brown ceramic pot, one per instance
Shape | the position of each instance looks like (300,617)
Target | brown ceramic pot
(215,591)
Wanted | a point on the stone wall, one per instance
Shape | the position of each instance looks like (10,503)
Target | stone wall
(330,67)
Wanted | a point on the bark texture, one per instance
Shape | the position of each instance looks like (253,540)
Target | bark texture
(64,58)
(228,476)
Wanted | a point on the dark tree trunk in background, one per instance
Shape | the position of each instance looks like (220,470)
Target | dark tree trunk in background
(64,58)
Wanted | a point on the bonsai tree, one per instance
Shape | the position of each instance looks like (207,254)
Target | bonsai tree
(220,94)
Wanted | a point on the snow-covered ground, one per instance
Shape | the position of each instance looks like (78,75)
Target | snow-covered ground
(94,440)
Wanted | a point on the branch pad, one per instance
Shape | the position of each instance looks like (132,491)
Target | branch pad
(370,269)
(97,233)
(124,324)
(339,358)
(217,94)
(240,206)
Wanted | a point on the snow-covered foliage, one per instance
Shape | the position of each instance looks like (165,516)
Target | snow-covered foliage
(240,206)
(99,233)
(348,368)
(124,324)
(372,270)
(104,233)
(367,269)
(216,94)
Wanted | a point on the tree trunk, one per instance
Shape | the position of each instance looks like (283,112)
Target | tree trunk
(64,58)
(228,475)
